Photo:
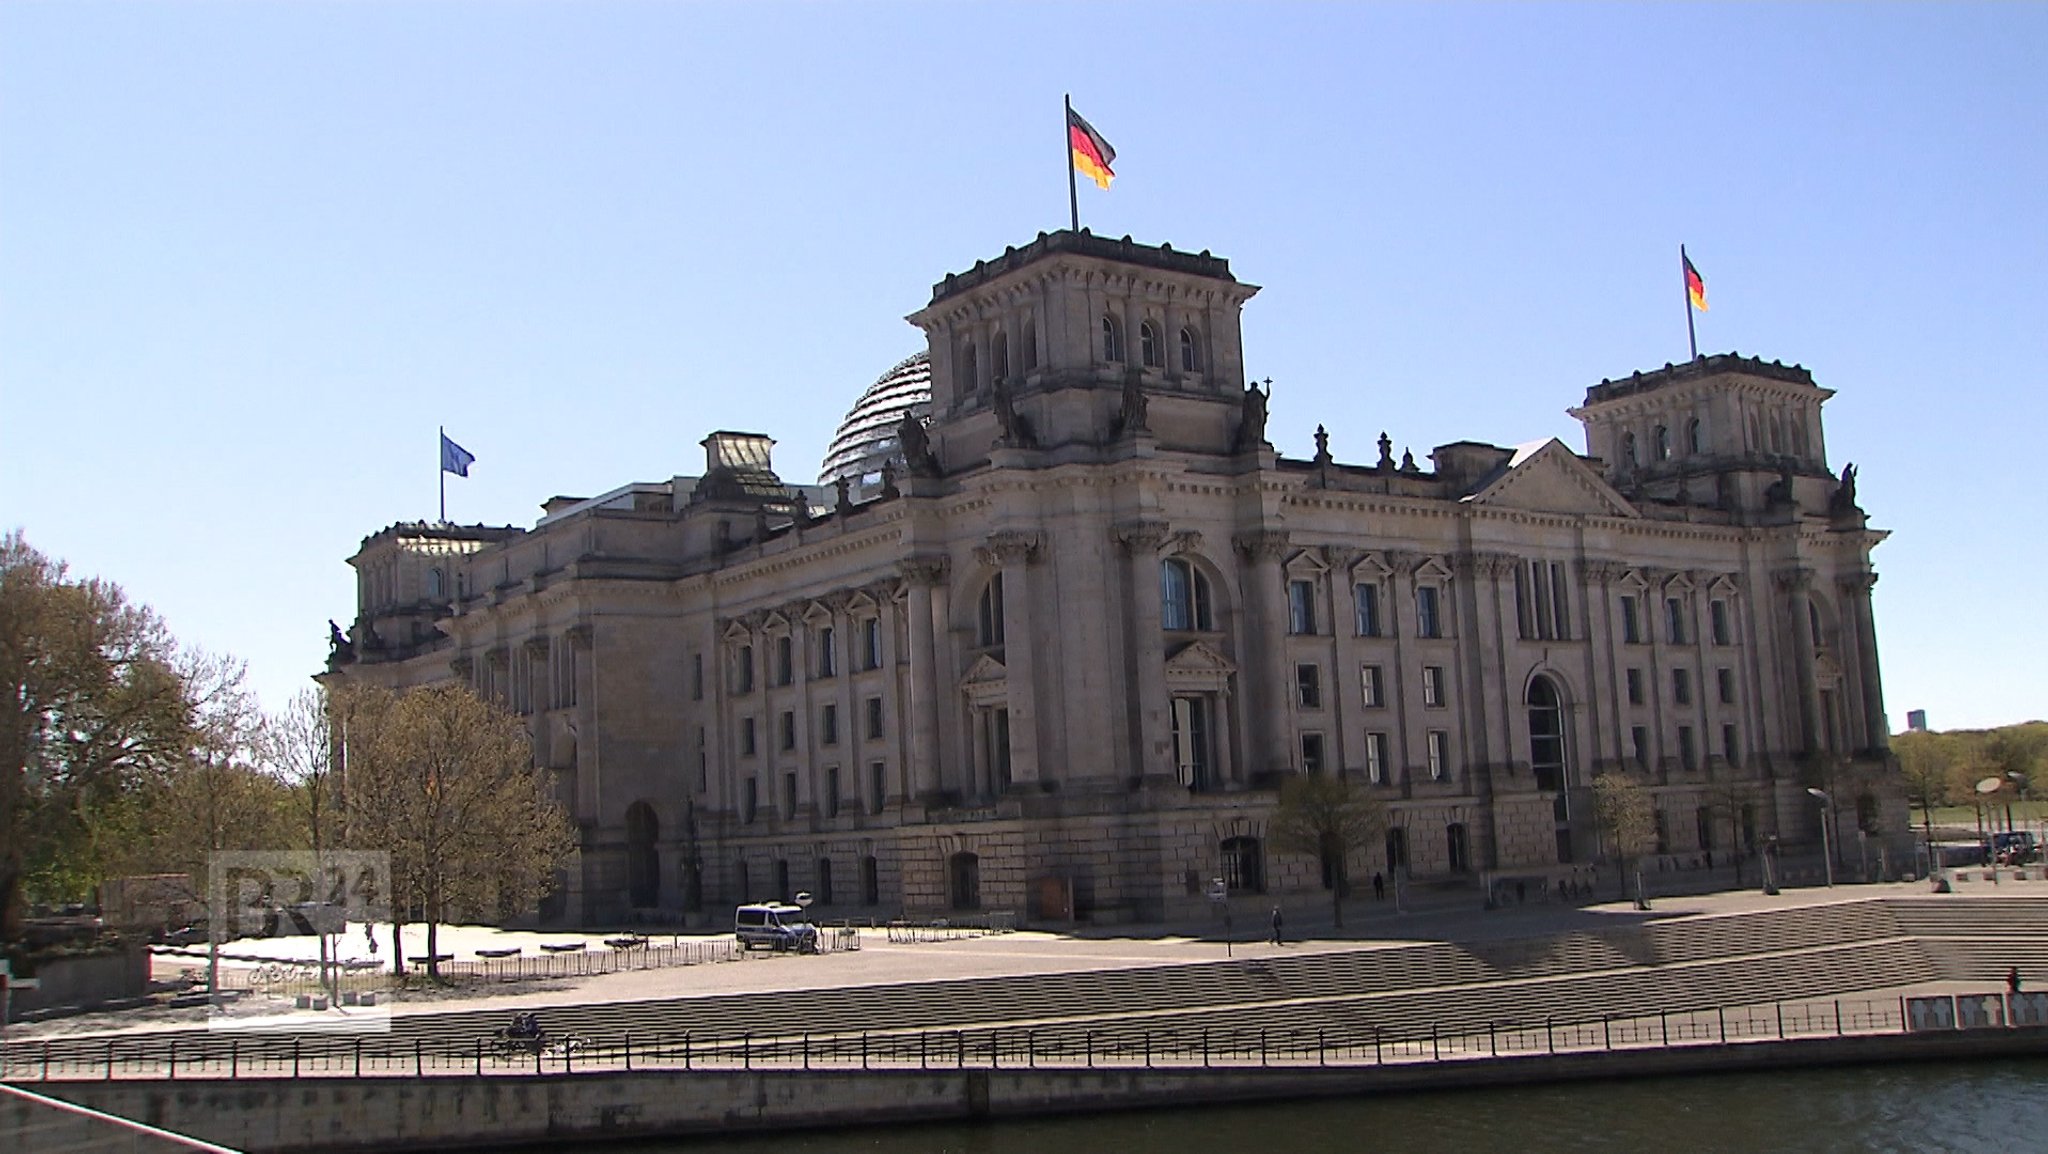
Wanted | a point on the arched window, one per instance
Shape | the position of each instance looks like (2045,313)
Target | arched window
(1183,596)
(436,585)
(1149,352)
(963,881)
(1112,339)
(643,862)
(1695,438)
(1190,352)
(999,356)
(989,620)
(1243,865)
(1546,734)
(970,374)
(1628,449)
(1030,345)
(1662,438)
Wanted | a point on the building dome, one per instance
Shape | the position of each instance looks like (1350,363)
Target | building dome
(867,437)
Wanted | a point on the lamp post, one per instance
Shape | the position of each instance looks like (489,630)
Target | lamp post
(1827,841)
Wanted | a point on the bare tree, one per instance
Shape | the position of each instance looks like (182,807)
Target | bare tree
(1324,817)
(1627,813)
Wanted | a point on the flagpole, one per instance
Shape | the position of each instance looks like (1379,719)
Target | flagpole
(1067,135)
(442,472)
(1685,286)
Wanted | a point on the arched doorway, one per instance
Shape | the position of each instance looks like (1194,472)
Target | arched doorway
(1547,756)
(643,861)
(963,881)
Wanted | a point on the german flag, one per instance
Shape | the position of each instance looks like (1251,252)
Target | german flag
(1695,288)
(1092,154)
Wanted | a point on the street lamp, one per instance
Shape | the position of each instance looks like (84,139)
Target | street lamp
(1827,842)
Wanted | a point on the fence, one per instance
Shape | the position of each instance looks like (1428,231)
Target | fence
(1006,1047)
(906,932)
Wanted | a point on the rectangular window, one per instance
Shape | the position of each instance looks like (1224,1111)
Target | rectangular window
(1301,607)
(871,645)
(743,669)
(1717,619)
(1724,681)
(1308,686)
(1433,686)
(1674,620)
(1525,615)
(788,796)
(1631,624)
(1729,748)
(1681,686)
(874,719)
(750,800)
(1635,687)
(1439,744)
(1560,604)
(1373,685)
(747,736)
(828,725)
(878,786)
(785,660)
(1688,753)
(696,677)
(828,651)
(703,762)
(1428,619)
(788,730)
(1376,758)
(831,791)
(1312,753)
(1365,600)
(1639,738)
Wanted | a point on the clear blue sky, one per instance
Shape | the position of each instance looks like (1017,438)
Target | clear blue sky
(251,255)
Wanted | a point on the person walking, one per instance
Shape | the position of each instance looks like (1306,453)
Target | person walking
(1379,886)
(1278,921)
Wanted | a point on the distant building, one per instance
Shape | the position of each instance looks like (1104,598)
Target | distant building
(1058,621)
(1916,720)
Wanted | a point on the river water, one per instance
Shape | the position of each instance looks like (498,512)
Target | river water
(1985,1107)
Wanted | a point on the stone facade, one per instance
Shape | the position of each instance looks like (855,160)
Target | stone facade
(1059,661)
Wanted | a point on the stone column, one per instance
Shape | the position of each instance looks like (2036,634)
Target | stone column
(1265,632)
(1012,551)
(1796,583)
(582,663)
(1856,607)
(1151,728)
(922,574)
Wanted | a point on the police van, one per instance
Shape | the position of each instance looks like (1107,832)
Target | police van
(774,926)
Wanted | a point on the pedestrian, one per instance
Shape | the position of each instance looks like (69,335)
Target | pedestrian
(2012,980)
(1277,921)
(1379,887)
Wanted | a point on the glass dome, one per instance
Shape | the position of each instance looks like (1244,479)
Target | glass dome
(867,437)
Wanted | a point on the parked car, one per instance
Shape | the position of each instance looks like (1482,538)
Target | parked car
(774,926)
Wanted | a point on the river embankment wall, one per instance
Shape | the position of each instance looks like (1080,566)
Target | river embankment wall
(334,1115)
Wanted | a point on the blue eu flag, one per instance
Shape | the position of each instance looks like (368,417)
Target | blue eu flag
(454,458)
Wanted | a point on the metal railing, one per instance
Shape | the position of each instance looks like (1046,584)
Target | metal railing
(1058,1046)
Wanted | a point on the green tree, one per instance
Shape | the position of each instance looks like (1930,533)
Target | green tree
(445,782)
(1325,817)
(1627,814)
(93,708)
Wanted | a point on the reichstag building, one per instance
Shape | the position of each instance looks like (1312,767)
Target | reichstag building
(1056,622)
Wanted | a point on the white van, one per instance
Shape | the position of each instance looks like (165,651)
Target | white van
(775,926)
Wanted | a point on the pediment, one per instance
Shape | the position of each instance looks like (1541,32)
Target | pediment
(1552,479)
(775,622)
(1199,657)
(738,633)
(817,614)
(985,669)
(1308,562)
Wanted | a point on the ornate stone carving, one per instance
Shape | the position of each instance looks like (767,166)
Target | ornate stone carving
(578,635)
(1405,561)
(1141,536)
(1793,580)
(1007,547)
(1262,545)
(498,659)
(462,667)
(925,571)
(1856,584)
(536,646)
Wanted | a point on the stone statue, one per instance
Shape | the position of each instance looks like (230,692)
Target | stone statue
(1408,461)
(1251,428)
(339,647)
(1779,492)
(1016,427)
(1386,450)
(1843,502)
(889,488)
(843,504)
(1131,418)
(918,457)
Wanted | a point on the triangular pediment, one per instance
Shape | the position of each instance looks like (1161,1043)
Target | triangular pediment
(1552,479)
(985,669)
(1199,657)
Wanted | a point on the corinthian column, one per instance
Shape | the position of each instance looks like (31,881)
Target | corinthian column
(1145,657)
(1265,633)
(1012,551)
(1856,600)
(921,574)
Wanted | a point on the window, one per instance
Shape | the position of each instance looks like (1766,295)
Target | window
(1813,623)
(1149,352)
(782,880)
(436,584)
(1456,851)
(1439,744)
(1372,686)
(871,643)
(1242,865)
(1674,620)
(870,882)
(824,894)
(874,719)
(999,355)
(1663,441)
(788,796)
(696,677)
(1724,681)
(1308,686)
(1688,753)
(1542,611)
(1639,741)
(1365,604)
(703,762)
(1030,345)
(750,803)
(1628,449)
(1312,753)
(1191,741)
(1190,352)
(828,651)
(1376,758)
(788,730)
(785,660)
(1546,735)
(1717,619)
(1681,686)
(989,619)
(743,669)
(828,725)
(1695,438)
(1183,596)
(747,736)
(1631,623)
(878,786)
(970,374)
(1112,340)
(995,752)
(1301,607)
(1729,748)
(1635,687)
(1428,623)
(1433,686)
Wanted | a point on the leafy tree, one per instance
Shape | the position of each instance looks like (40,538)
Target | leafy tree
(93,707)
(1325,817)
(1728,798)
(1627,813)
(445,782)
